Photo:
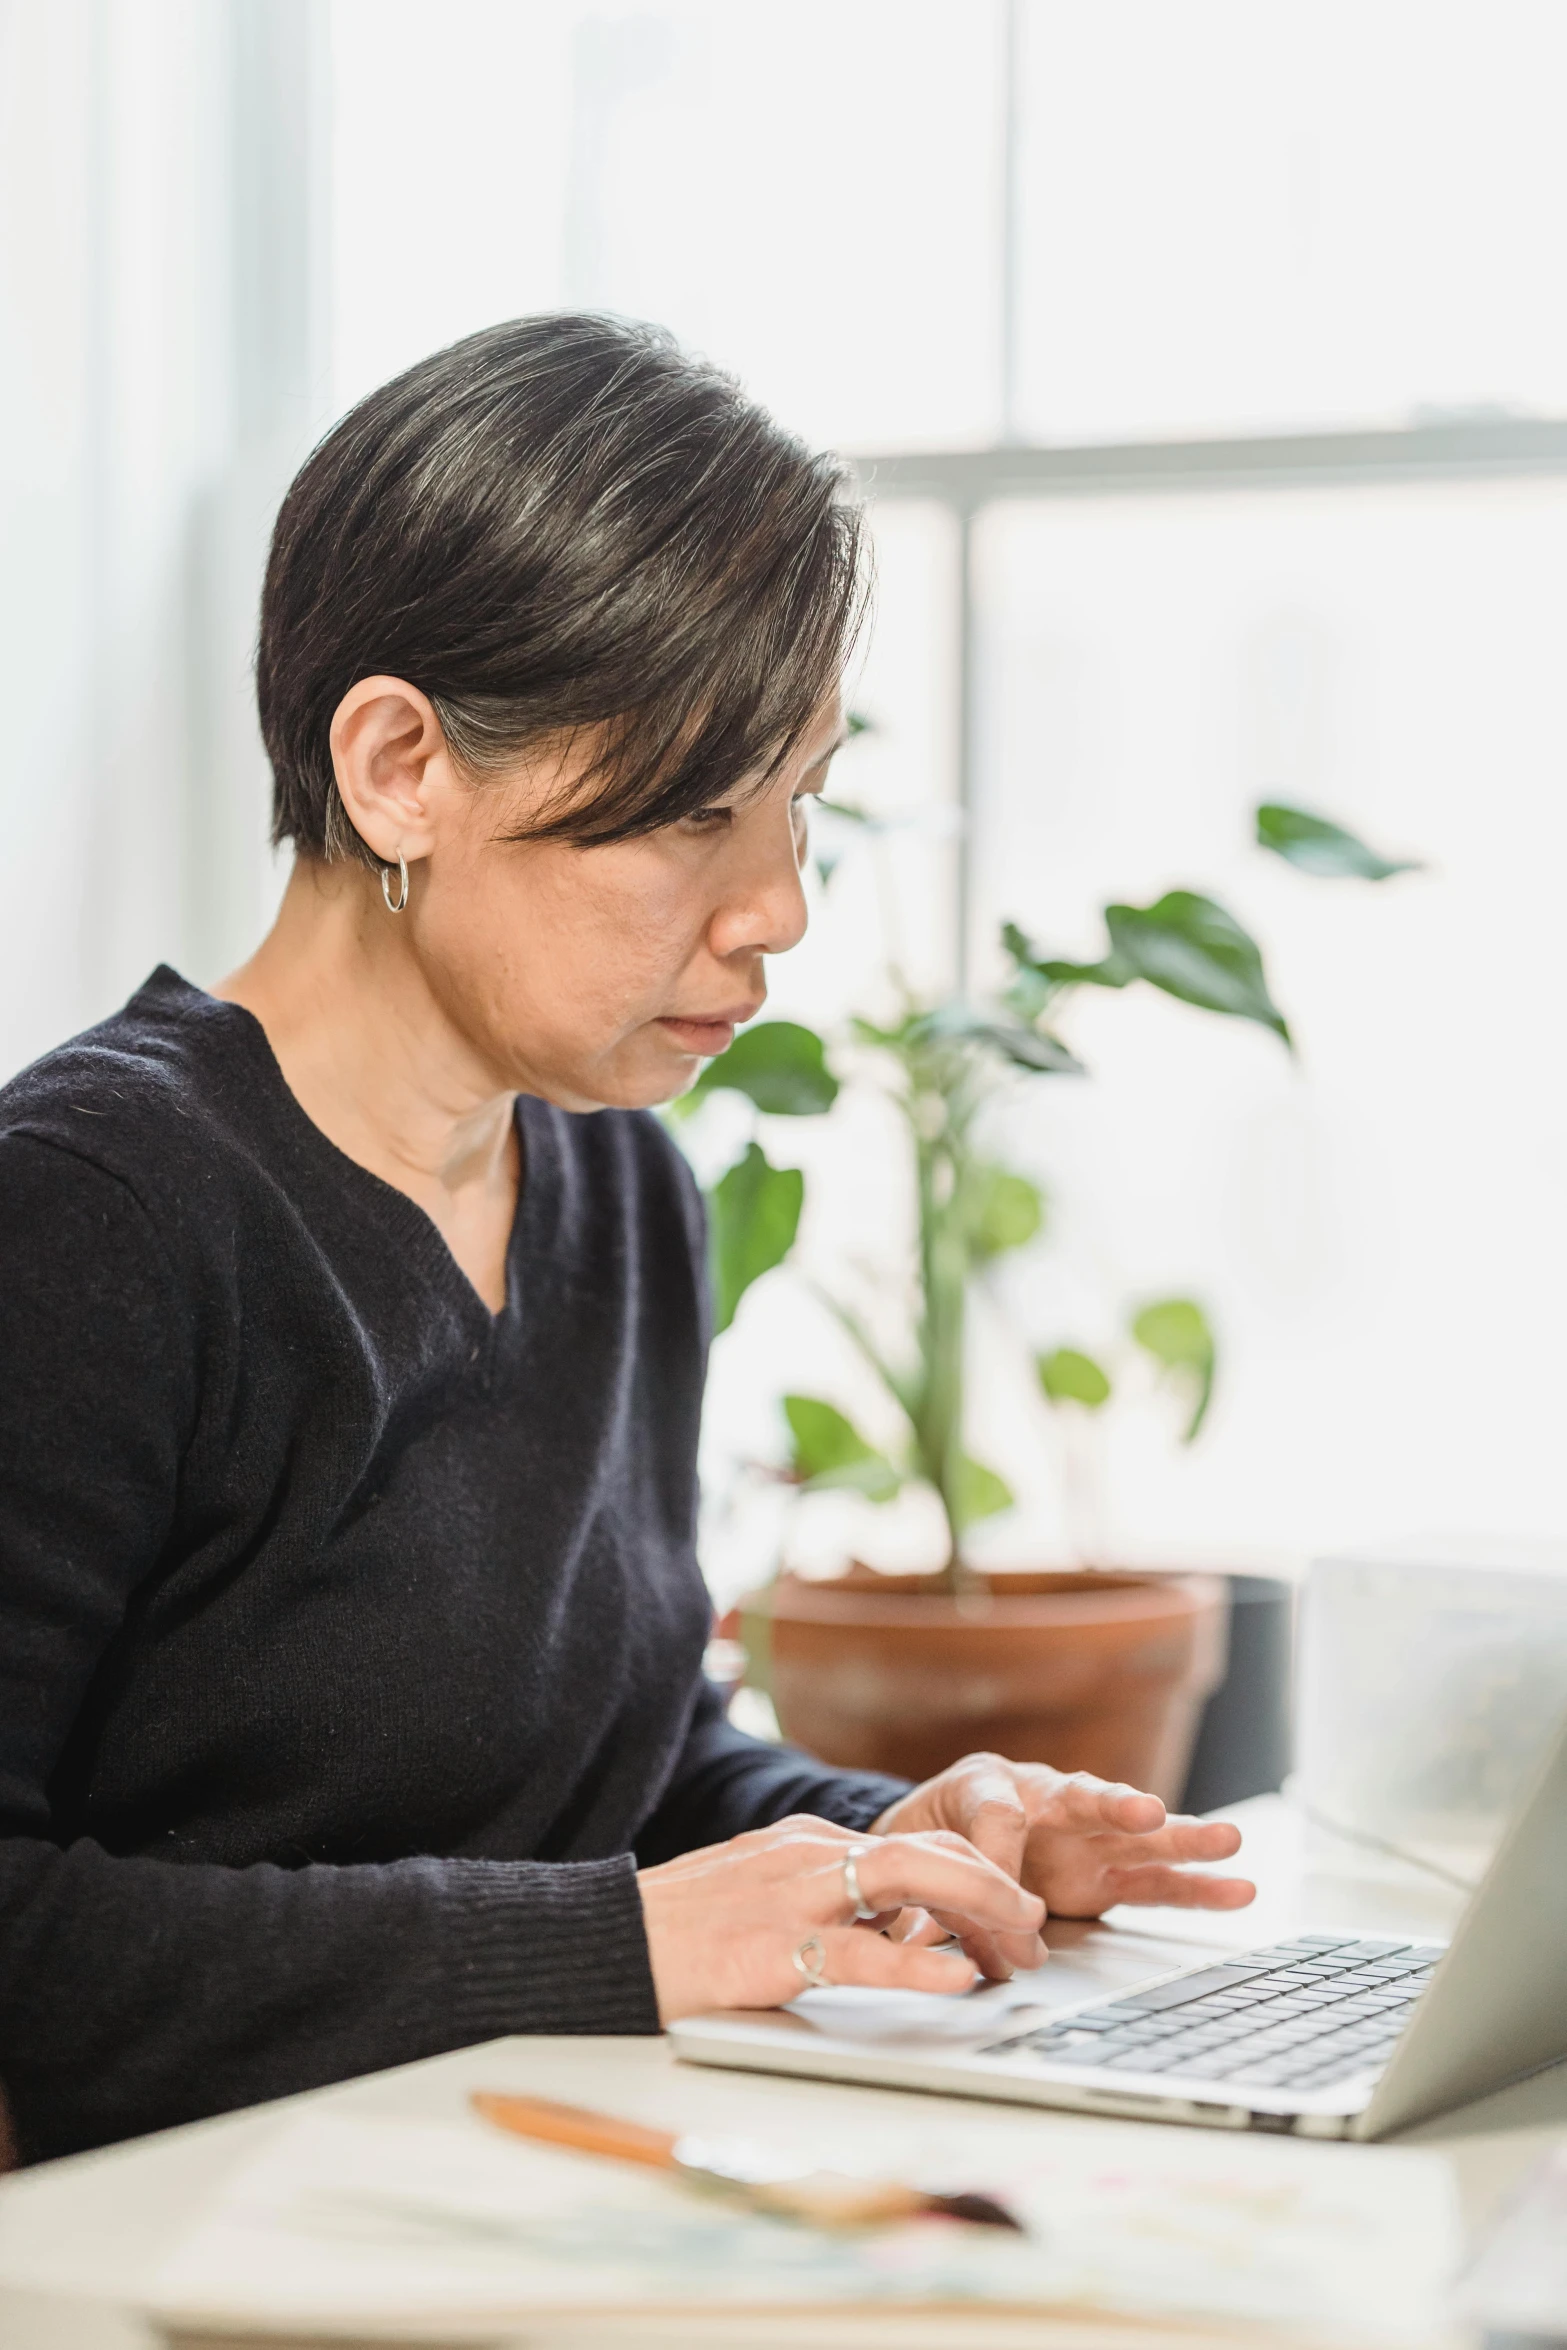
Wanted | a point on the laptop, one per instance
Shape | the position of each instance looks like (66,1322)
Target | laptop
(1327,2035)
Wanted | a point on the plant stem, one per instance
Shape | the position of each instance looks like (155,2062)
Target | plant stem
(939,1109)
(937,1427)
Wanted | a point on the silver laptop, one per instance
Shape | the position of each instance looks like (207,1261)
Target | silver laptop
(1330,2035)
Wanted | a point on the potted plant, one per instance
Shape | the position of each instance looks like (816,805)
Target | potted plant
(1090,1669)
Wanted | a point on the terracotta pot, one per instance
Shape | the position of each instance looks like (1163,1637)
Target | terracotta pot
(1102,1672)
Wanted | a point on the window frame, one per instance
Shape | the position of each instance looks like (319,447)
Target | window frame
(966,482)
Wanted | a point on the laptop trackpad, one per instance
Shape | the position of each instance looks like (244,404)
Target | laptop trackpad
(1087,1962)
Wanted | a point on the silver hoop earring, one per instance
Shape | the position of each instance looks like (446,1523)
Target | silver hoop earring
(395,905)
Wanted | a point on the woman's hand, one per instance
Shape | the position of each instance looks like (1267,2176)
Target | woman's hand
(723,1923)
(1080,1843)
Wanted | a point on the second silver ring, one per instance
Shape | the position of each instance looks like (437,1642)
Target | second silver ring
(858,1905)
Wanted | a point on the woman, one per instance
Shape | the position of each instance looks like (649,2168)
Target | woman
(352,1318)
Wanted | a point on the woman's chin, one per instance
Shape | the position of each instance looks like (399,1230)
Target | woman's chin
(641,1079)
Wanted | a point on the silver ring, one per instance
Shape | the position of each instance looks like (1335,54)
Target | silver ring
(811,1960)
(858,1904)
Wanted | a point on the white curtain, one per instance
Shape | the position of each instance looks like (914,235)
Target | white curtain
(161,374)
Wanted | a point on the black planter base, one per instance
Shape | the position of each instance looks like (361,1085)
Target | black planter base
(1244,1741)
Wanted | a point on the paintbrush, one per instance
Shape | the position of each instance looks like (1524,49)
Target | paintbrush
(752,2174)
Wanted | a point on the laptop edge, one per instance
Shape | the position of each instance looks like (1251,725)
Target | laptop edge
(1494,2012)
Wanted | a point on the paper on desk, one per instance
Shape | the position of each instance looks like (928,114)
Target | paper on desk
(393,2226)
(1517,2283)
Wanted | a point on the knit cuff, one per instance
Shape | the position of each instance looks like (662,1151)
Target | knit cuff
(547,1946)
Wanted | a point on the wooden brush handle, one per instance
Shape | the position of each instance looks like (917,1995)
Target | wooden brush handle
(575,2125)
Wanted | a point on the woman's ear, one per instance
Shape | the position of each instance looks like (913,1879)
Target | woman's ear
(392,766)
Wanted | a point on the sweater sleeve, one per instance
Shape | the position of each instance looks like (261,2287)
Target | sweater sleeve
(137,1992)
(726,1782)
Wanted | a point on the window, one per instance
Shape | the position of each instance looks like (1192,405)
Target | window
(728,171)
(1240,219)
(1209,360)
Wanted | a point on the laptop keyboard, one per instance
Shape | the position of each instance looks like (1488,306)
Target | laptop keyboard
(1300,2015)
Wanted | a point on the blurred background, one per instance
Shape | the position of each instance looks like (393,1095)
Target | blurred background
(1206,368)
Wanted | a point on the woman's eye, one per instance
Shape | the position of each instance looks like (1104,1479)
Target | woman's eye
(710,819)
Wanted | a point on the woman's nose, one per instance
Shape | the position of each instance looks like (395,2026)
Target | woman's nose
(763,910)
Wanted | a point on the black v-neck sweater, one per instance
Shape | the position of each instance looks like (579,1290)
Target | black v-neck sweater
(350,1636)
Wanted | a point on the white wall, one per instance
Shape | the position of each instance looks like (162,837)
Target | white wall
(158,384)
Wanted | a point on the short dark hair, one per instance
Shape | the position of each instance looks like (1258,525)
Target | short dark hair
(564,523)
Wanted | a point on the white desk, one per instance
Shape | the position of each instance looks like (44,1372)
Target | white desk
(79,2238)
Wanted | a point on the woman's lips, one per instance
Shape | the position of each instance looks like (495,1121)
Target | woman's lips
(705,1038)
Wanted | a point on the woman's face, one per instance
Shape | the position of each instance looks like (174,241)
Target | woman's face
(591,976)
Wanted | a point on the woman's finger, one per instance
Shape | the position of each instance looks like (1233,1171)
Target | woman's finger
(895,1966)
(998,1956)
(917,1925)
(1176,1888)
(991,1812)
(943,1873)
(926,1869)
(1084,1805)
(1179,1840)
(1186,1834)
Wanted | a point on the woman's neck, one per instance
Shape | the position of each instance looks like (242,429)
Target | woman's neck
(374,1061)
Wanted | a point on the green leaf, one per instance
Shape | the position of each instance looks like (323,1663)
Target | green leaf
(831,1454)
(959,1023)
(1049,974)
(1111,970)
(1191,947)
(1005,1211)
(1034,1049)
(884,1039)
(780,1065)
(1070,1377)
(1177,1333)
(954,1022)
(827,853)
(903,1389)
(753,1213)
(1316,845)
(977,1493)
(1028,993)
(1015,943)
